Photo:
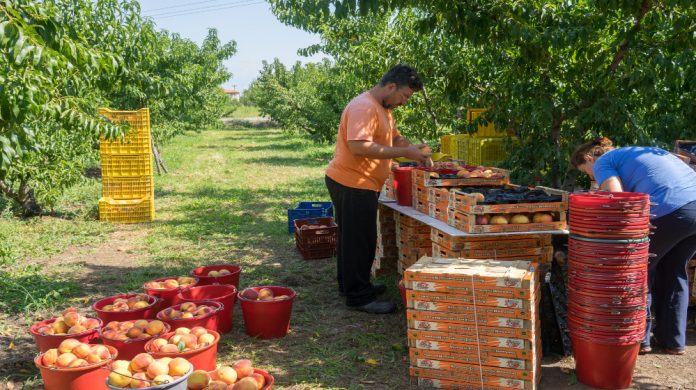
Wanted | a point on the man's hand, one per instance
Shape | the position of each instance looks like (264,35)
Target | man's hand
(420,153)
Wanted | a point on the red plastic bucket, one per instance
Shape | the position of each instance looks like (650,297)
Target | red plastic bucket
(208,321)
(48,341)
(223,293)
(232,278)
(127,349)
(92,377)
(166,295)
(402,185)
(135,314)
(268,319)
(604,366)
(201,358)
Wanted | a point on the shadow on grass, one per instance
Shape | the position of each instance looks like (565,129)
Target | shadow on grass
(287,161)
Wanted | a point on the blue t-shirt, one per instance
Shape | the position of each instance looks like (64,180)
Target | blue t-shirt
(653,171)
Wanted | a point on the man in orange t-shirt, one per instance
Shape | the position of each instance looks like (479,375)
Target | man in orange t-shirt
(367,141)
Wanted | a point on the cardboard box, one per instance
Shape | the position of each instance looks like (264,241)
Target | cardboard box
(503,241)
(480,317)
(458,299)
(539,254)
(479,341)
(475,358)
(467,223)
(475,330)
(467,203)
(475,378)
(452,385)
(422,177)
(457,311)
(485,351)
(474,369)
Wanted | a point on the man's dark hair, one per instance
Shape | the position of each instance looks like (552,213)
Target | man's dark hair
(402,75)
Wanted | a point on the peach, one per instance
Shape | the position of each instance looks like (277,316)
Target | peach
(218,385)
(78,363)
(59,327)
(93,358)
(154,285)
(227,374)
(76,329)
(265,294)
(198,380)
(101,351)
(140,305)
(214,274)
(72,318)
(134,332)
(188,306)
(49,357)
(163,379)
(179,366)
(82,350)
(187,314)
(90,323)
(203,310)
(141,324)
(154,327)
(165,360)
(170,283)
(250,293)
(260,380)
(140,362)
(185,280)
(175,339)
(243,368)
(120,300)
(140,381)
(67,345)
(132,301)
(68,310)
(158,343)
(198,331)
(175,315)
(247,383)
(120,365)
(190,341)
(120,377)
(169,348)
(157,368)
(64,359)
(206,339)
(45,329)
(224,272)
(182,330)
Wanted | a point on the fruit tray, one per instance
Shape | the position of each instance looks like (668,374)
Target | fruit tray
(482,176)
(457,243)
(471,223)
(510,199)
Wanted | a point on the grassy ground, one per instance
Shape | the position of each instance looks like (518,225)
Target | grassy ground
(244,112)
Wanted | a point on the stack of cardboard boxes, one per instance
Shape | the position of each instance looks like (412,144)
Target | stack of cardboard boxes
(473,323)
(412,239)
(387,253)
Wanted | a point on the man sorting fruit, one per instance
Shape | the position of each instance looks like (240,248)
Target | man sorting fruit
(671,185)
(367,140)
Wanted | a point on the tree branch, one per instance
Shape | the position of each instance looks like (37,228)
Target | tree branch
(623,47)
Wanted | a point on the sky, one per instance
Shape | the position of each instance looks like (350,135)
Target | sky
(258,33)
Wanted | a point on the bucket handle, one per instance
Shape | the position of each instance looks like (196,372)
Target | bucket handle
(152,382)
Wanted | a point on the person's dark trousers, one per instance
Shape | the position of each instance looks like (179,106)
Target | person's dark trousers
(355,211)
(674,244)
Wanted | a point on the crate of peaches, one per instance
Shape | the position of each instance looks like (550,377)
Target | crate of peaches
(145,371)
(70,324)
(239,376)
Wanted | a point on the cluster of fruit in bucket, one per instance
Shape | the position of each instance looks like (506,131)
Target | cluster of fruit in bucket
(69,322)
(262,294)
(139,301)
(132,330)
(185,310)
(168,284)
(72,353)
(238,376)
(490,196)
(221,272)
(456,171)
(145,371)
(184,339)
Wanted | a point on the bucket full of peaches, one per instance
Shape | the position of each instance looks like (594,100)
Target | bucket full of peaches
(74,365)
(130,337)
(241,375)
(218,274)
(146,372)
(69,325)
(189,315)
(266,310)
(197,345)
(125,307)
(167,288)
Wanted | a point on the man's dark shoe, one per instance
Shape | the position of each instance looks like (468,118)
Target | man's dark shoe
(379,290)
(376,307)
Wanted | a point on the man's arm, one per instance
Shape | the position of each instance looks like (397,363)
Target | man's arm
(612,184)
(374,150)
(401,141)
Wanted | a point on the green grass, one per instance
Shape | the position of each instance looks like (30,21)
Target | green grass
(244,112)
(225,200)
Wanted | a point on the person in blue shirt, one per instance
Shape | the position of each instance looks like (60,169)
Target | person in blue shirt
(671,185)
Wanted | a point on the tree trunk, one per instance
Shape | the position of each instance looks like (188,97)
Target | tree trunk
(24,198)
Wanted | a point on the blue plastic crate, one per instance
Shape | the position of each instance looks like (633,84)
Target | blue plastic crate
(308,210)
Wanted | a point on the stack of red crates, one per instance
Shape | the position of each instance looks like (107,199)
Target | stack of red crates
(315,238)
(413,241)
(473,323)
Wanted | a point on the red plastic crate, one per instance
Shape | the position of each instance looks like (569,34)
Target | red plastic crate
(316,243)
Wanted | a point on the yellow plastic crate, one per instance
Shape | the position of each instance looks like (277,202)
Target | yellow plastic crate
(138,139)
(127,187)
(126,165)
(487,131)
(446,143)
(126,210)
(483,151)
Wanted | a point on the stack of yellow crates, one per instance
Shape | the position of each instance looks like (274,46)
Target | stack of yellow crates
(126,164)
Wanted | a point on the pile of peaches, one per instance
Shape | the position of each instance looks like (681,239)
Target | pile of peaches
(185,310)
(137,329)
(238,376)
(184,339)
(222,272)
(145,371)
(261,294)
(168,284)
(72,353)
(139,301)
(69,322)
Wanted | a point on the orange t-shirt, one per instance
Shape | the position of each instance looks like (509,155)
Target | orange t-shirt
(366,120)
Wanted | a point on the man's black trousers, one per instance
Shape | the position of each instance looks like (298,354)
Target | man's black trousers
(355,212)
